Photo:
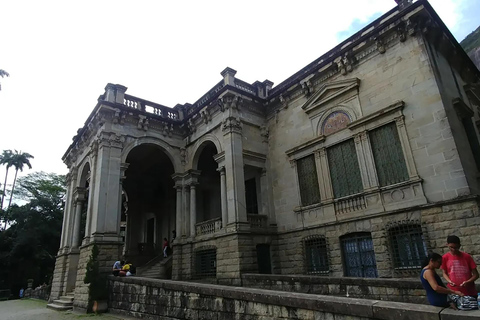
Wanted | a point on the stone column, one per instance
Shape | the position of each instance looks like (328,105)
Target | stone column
(79,201)
(186,210)
(223,196)
(178,216)
(70,210)
(106,202)
(235,182)
(91,188)
(66,211)
(193,209)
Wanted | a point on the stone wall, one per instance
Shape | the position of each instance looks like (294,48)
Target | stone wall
(58,277)
(164,299)
(459,217)
(42,293)
(108,254)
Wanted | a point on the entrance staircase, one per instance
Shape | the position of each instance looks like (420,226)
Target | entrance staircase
(63,304)
(157,268)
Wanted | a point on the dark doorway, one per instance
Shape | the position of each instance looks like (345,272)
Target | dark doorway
(251,196)
(263,259)
(150,231)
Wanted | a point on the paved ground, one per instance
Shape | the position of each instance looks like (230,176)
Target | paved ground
(31,309)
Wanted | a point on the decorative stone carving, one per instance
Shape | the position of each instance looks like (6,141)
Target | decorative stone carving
(233,102)
(191,126)
(284,100)
(142,123)
(264,133)
(336,121)
(400,121)
(205,114)
(119,117)
(221,105)
(106,139)
(380,46)
(183,156)
(232,124)
(307,88)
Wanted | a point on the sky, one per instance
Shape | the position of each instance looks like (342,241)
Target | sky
(61,54)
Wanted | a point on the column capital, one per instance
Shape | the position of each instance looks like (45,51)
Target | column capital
(221,169)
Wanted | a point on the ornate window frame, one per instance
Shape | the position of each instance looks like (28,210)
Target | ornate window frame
(373,198)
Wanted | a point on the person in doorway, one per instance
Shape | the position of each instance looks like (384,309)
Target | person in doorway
(165,247)
(436,290)
(459,269)
(117,267)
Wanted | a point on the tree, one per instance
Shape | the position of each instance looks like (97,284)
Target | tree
(3,73)
(19,159)
(5,159)
(28,247)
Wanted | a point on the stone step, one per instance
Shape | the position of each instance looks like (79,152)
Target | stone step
(67,298)
(62,302)
(58,307)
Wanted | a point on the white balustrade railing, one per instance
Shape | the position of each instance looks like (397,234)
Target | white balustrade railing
(350,204)
(209,226)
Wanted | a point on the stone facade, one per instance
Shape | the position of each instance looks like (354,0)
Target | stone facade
(356,165)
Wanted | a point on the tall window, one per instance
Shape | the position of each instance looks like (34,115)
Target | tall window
(316,257)
(388,155)
(344,170)
(408,246)
(308,180)
(251,196)
(358,255)
(206,263)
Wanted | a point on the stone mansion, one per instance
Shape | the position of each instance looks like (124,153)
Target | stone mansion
(357,165)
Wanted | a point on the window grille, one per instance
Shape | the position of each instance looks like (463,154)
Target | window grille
(359,256)
(344,169)
(251,196)
(308,180)
(316,256)
(206,263)
(388,155)
(408,246)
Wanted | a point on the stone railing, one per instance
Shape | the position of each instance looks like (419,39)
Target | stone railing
(42,292)
(147,298)
(209,226)
(244,86)
(350,204)
(206,97)
(257,221)
(150,107)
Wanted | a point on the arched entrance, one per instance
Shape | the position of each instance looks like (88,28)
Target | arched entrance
(149,214)
(208,198)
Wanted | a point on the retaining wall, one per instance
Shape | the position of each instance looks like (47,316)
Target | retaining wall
(164,299)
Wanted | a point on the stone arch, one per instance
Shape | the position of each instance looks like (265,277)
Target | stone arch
(339,109)
(200,144)
(164,146)
(82,174)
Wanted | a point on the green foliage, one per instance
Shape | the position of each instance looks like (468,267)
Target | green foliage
(97,289)
(29,245)
(471,41)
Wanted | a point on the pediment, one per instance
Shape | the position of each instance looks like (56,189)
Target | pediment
(330,91)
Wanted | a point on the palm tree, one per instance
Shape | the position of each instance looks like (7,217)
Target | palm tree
(5,159)
(3,73)
(19,159)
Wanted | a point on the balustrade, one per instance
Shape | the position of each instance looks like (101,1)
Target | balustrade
(350,204)
(257,221)
(209,226)
(150,107)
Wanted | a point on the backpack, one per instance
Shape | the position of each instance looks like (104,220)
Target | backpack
(133,269)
